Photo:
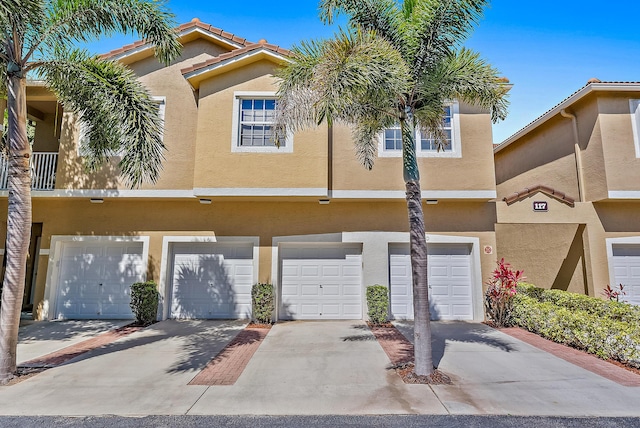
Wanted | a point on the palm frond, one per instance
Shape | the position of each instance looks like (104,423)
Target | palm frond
(381,16)
(466,76)
(353,76)
(119,115)
(437,27)
(85,20)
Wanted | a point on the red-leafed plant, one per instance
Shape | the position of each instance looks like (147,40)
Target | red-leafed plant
(614,293)
(502,286)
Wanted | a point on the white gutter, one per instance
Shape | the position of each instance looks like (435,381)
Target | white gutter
(577,96)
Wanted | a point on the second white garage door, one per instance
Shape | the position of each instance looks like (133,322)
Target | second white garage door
(211,280)
(450,284)
(626,270)
(321,283)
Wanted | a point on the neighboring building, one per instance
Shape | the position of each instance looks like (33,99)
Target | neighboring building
(580,161)
(230,209)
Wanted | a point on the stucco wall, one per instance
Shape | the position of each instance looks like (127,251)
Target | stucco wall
(473,171)
(265,220)
(218,167)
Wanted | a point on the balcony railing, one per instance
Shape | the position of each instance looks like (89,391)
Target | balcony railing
(43,171)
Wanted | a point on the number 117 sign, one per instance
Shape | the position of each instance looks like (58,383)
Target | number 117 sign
(542,206)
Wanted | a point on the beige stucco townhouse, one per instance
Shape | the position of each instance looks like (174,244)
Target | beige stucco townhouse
(230,209)
(569,192)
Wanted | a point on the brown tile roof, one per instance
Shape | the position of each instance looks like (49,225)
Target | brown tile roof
(195,23)
(262,44)
(518,196)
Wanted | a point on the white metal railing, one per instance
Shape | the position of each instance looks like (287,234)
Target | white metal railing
(43,171)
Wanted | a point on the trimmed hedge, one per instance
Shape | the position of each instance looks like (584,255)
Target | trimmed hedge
(144,302)
(604,328)
(601,308)
(378,304)
(263,303)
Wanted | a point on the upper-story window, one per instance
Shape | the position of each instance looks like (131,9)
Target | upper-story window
(426,145)
(635,124)
(253,124)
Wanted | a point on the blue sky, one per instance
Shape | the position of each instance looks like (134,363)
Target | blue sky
(548,49)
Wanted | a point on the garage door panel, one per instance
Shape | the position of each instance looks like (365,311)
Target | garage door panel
(309,290)
(439,290)
(330,290)
(351,291)
(460,291)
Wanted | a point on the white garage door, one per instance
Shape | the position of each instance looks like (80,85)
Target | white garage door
(321,283)
(626,270)
(450,289)
(95,278)
(211,280)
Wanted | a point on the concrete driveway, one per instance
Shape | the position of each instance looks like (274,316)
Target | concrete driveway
(315,368)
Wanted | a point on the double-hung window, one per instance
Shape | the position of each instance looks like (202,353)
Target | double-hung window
(426,144)
(253,124)
(635,124)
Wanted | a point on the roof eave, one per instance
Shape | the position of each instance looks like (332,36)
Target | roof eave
(572,99)
(198,75)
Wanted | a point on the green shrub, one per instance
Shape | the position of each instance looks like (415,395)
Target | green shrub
(378,304)
(263,303)
(144,302)
(606,337)
(601,308)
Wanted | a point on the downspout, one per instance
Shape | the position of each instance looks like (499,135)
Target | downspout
(578,153)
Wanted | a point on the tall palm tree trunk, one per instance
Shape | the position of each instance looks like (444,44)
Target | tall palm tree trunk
(422,317)
(18,226)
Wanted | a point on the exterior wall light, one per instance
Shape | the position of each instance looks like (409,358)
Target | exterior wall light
(324,201)
(96,200)
(204,201)
(432,202)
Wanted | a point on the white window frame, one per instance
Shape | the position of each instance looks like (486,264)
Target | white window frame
(238,96)
(162,104)
(456,147)
(634,105)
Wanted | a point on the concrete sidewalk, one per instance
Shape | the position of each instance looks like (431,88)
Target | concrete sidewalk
(316,368)
(39,338)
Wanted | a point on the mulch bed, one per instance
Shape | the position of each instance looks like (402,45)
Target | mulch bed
(400,352)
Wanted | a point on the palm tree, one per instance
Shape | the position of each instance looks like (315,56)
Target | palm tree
(396,63)
(37,40)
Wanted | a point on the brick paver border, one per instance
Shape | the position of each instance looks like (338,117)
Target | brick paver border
(395,345)
(68,353)
(574,356)
(228,365)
